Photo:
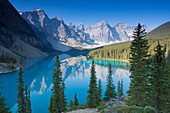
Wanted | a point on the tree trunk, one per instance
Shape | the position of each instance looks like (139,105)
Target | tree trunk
(157,103)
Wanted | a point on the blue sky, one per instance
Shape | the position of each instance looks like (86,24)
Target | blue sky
(150,12)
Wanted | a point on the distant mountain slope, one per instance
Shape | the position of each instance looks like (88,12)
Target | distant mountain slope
(120,51)
(161,32)
(45,28)
(13,27)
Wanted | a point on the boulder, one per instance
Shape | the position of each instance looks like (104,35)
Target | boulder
(123,97)
(114,102)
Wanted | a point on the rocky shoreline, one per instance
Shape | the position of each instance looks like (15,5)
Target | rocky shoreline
(4,68)
(113,106)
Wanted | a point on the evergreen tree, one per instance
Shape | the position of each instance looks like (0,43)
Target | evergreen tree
(76,103)
(26,98)
(159,82)
(50,108)
(92,97)
(3,109)
(29,102)
(100,91)
(21,96)
(118,89)
(139,60)
(110,88)
(56,107)
(71,105)
(121,89)
(3,57)
(63,102)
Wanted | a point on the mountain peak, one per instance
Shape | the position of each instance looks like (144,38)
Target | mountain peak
(58,18)
(71,24)
(38,10)
(121,23)
(20,12)
(104,21)
(80,24)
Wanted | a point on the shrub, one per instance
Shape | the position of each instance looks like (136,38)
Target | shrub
(101,106)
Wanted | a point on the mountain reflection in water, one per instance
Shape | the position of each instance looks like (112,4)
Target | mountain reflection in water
(75,71)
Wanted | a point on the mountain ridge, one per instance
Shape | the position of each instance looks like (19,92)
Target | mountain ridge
(14,28)
(81,35)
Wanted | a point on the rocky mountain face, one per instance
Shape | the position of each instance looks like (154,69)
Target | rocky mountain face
(125,31)
(76,36)
(102,32)
(33,31)
(14,31)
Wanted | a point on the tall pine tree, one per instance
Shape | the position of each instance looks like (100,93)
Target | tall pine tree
(58,98)
(63,103)
(26,98)
(29,102)
(159,82)
(71,105)
(100,91)
(3,109)
(50,108)
(139,60)
(110,88)
(21,96)
(121,88)
(92,97)
(76,103)
(118,89)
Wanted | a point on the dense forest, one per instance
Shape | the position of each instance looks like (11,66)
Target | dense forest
(120,51)
(9,60)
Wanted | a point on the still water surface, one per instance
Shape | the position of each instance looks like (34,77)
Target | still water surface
(76,73)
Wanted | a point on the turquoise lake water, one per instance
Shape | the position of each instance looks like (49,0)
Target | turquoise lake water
(76,73)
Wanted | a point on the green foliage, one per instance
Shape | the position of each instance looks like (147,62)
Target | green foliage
(26,98)
(82,106)
(130,109)
(56,86)
(101,106)
(120,88)
(3,109)
(139,64)
(29,102)
(9,60)
(100,91)
(118,51)
(129,101)
(50,108)
(58,101)
(110,88)
(92,97)
(76,103)
(63,102)
(71,106)
(158,89)
(21,97)
(149,110)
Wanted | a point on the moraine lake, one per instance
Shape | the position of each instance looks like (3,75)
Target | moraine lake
(38,73)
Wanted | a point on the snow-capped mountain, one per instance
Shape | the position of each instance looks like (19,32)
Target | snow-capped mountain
(102,32)
(125,31)
(56,33)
